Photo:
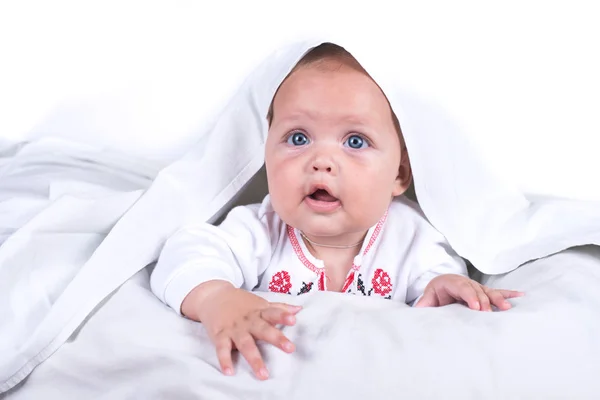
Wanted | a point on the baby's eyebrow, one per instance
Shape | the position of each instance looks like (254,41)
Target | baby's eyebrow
(303,114)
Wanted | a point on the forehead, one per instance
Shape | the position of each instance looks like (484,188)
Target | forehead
(340,93)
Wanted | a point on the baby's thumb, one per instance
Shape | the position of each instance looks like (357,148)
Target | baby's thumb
(427,299)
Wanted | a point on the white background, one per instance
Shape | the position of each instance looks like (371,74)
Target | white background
(521,77)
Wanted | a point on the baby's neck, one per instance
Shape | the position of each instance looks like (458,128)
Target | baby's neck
(338,257)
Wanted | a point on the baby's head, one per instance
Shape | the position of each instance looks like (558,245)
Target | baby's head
(334,155)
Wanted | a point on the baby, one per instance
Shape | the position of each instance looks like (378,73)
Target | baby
(336,163)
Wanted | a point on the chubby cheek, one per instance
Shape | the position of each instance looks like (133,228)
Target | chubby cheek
(371,196)
(283,186)
(279,188)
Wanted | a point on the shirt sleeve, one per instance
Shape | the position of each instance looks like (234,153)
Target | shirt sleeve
(237,251)
(436,257)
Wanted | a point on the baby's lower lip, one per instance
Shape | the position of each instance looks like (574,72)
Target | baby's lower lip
(322,206)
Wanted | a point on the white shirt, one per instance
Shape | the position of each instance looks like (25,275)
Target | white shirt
(255,250)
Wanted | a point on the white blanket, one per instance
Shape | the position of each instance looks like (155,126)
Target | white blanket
(350,348)
(58,201)
(486,220)
(34,175)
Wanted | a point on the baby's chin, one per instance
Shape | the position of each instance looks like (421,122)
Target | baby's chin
(327,230)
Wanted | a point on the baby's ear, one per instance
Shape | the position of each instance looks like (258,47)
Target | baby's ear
(404,178)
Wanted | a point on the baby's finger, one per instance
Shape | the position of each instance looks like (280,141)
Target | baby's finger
(278,316)
(224,347)
(429,299)
(497,299)
(484,300)
(247,347)
(262,330)
(286,307)
(468,294)
(510,294)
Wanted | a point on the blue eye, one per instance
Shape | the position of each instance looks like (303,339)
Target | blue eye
(298,139)
(356,142)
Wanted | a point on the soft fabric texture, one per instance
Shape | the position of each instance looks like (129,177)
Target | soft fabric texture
(484,220)
(254,249)
(349,347)
(58,201)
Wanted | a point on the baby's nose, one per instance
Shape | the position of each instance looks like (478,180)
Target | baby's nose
(323,163)
(321,168)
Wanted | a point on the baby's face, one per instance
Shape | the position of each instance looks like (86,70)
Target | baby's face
(332,153)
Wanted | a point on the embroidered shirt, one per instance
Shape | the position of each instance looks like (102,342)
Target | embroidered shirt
(255,250)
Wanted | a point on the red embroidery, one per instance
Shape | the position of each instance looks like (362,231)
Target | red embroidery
(299,252)
(382,284)
(349,281)
(322,281)
(376,232)
(355,268)
(280,282)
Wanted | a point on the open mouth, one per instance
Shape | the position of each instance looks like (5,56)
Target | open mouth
(322,195)
(322,202)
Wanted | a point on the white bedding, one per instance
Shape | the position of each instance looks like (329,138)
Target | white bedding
(34,175)
(546,347)
(58,201)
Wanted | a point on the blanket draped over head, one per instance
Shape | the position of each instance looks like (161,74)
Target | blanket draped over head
(45,298)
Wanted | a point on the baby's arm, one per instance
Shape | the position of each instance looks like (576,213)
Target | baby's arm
(206,273)
(237,252)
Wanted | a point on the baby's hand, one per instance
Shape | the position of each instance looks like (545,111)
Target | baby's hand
(448,289)
(235,318)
